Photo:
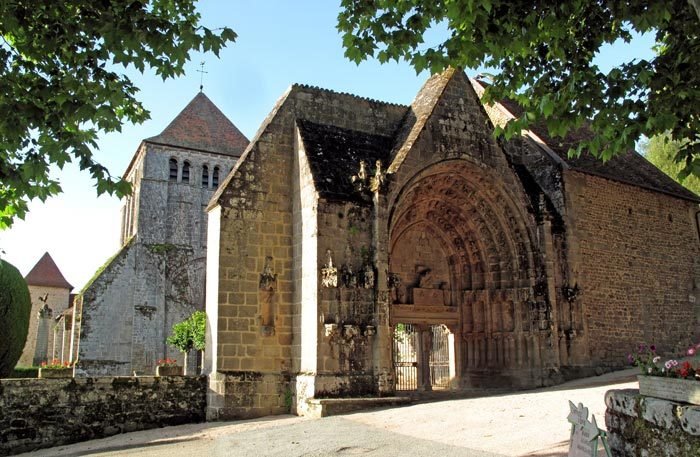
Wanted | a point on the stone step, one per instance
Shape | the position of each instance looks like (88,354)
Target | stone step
(323,407)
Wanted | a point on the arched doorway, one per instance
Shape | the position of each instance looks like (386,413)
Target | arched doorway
(461,257)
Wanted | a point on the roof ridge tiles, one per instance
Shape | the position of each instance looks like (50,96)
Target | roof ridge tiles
(347,94)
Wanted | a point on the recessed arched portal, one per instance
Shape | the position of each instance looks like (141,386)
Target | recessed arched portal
(461,256)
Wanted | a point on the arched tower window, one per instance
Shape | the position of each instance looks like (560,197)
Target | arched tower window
(185,171)
(215,178)
(205,176)
(173,170)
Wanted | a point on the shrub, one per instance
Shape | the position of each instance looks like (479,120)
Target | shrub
(15,310)
(190,333)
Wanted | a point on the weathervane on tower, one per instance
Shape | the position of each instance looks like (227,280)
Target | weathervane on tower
(201,77)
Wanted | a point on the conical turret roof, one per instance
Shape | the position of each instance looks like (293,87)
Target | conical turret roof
(46,273)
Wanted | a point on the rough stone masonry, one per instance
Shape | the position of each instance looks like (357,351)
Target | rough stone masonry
(358,248)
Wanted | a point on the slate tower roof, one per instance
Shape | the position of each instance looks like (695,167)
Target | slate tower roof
(203,127)
(46,273)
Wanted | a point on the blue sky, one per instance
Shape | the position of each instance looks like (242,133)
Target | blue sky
(279,43)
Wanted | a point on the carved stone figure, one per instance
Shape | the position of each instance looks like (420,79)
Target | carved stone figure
(368,276)
(267,277)
(329,273)
(348,278)
(377,180)
(360,179)
(45,312)
(426,279)
(393,282)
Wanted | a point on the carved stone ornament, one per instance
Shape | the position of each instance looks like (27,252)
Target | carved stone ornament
(350,331)
(330,330)
(393,280)
(45,312)
(370,330)
(329,273)
(348,278)
(267,277)
(375,183)
(359,180)
(368,276)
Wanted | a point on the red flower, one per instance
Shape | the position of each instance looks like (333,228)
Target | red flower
(685,370)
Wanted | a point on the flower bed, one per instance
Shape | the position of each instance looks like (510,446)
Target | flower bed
(671,380)
(675,389)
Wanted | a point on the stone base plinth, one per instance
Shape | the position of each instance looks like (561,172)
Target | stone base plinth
(247,395)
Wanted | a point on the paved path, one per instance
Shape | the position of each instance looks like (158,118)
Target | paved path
(531,423)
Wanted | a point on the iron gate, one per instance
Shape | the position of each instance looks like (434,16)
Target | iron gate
(407,339)
(440,357)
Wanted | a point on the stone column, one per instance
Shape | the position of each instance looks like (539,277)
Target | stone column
(45,316)
(382,347)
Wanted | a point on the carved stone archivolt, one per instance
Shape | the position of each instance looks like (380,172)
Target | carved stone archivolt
(479,221)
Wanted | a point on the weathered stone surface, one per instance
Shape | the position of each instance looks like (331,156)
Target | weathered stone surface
(39,413)
(648,426)
(534,269)
(127,311)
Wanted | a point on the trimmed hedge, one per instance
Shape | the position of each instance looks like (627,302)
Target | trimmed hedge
(25,372)
(15,310)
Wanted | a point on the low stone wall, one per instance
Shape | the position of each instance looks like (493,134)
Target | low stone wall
(40,413)
(651,427)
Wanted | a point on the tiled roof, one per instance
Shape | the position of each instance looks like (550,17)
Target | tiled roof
(630,167)
(203,127)
(46,273)
(334,156)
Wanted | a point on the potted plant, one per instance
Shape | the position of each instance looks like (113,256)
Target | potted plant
(189,335)
(673,380)
(168,367)
(55,369)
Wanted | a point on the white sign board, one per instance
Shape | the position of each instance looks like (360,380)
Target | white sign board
(584,435)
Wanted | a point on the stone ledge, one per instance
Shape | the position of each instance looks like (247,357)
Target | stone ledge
(324,407)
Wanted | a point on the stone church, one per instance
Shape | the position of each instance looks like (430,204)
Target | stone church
(125,313)
(361,248)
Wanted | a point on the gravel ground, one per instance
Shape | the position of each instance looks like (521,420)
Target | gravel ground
(531,423)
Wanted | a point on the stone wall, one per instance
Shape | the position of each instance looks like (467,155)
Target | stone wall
(40,413)
(635,257)
(157,279)
(254,307)
(651,427)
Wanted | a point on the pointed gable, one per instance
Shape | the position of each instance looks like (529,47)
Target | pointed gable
(448,115)
(416,117)
(203,127)
(46,273)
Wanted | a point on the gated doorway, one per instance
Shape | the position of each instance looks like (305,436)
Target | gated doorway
(421,357)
